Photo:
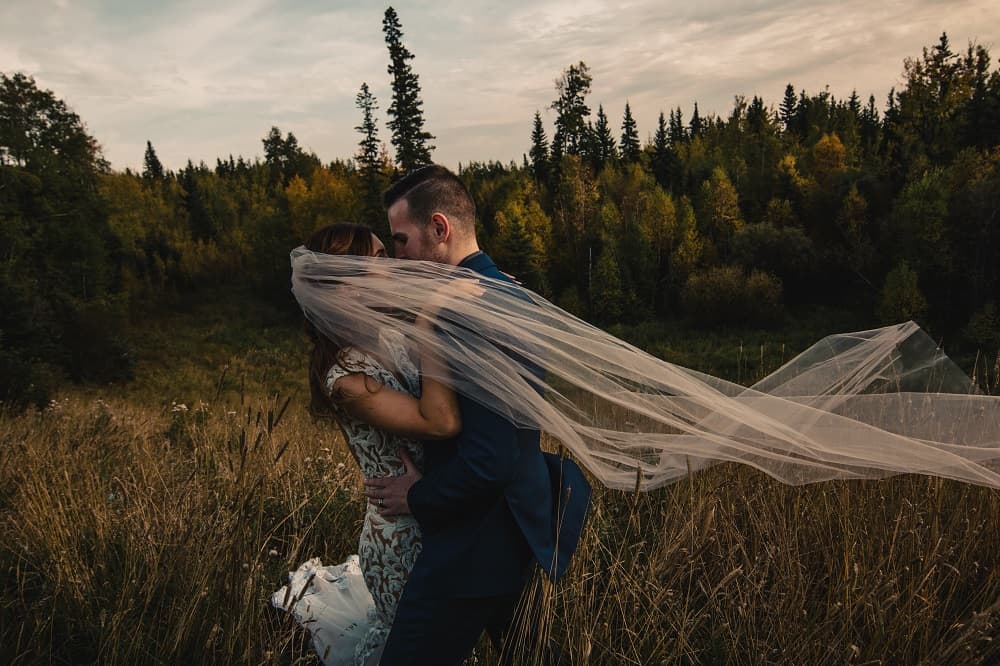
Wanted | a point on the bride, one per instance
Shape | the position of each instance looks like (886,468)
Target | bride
(385,409)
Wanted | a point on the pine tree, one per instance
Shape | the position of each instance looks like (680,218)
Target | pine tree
(152,169)
(661,151)
(854,104)
(571,107)
(757,115)
(369,144)
(676,132)
(274,151)
(370,160)
(604,142)
(696,123)
(630,146)
(539,150)
(869,127)
(407,124)
(789,104)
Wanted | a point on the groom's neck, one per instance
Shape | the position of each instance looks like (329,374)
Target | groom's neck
(459,252)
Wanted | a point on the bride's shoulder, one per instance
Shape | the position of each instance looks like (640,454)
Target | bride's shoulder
(351,361)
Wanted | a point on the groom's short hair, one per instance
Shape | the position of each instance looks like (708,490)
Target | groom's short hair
(434,189)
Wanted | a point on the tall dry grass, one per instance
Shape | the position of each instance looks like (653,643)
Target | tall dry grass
(135,530)
(132,534)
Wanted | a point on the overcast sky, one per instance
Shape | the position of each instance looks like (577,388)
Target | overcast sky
(203,79)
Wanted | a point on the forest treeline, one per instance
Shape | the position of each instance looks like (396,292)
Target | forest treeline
(890,209)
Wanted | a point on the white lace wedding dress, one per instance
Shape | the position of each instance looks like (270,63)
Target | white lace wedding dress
(348,608)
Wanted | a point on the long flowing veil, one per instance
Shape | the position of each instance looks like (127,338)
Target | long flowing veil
(854,405)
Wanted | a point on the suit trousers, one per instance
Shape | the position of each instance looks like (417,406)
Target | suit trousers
(442,632)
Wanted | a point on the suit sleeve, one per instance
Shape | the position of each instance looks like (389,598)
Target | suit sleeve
(484,464)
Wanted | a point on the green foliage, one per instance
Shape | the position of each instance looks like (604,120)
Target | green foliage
(603,143)
(782,251)
(539,151)
(572,111)
(719,212)
(728,295)
(152,168)
(630,137)
(983,329)
(901,299)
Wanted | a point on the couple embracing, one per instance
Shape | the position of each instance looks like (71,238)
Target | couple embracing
(463,506)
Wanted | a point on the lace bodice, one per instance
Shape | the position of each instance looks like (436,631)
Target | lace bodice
(376,450)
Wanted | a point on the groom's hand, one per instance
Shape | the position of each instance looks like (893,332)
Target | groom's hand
(388,493)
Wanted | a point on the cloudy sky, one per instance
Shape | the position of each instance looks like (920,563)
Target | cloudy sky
(206,78)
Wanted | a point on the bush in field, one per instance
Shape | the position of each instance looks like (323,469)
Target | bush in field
(983,329)
(901,299)
(727,295)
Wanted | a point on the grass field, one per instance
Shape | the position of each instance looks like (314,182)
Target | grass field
(149,523)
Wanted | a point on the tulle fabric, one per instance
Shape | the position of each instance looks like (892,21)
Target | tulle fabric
(857,405)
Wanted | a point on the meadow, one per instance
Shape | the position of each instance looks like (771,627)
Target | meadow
(149,522)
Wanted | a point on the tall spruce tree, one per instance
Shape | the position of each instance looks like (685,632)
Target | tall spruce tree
(696,123)
(789,103)
(152,169)
(604,141)
(539,150)
(630,147)
(407,124)
(369,145)
(676,130)
(661,151)
(370,159)
(571,106)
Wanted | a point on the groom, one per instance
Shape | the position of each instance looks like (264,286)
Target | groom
(489,503)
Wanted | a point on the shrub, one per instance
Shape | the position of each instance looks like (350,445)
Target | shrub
(901,299)
(727,295)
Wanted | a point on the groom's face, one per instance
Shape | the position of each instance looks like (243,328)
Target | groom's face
(411,240)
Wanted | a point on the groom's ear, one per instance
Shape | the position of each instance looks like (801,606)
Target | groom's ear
(441,227)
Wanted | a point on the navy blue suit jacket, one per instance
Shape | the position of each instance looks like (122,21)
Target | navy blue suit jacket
(490,501)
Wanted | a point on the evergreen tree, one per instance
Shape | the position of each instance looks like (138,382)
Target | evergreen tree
(696,122)
(979,117)
(630,146)
(604,142)
(661,151)
(368,155)
(570,105)
(152,168)
(407,124)
(284,158)
(757,116)
(854,104)
(539,150)
(869,127)
(677,133)
(789,103)
(369,161)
